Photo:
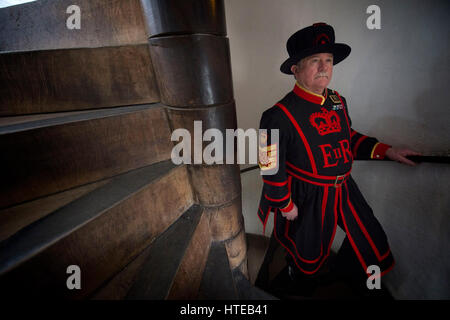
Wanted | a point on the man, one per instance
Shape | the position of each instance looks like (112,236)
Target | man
(306,173)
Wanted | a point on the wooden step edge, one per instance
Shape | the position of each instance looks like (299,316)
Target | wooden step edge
(158,272)
(44,232)
(142,42)
(186,283)
(18,216)
(13,124)
(217,281)
(117,286)
(42,24)
(66,49)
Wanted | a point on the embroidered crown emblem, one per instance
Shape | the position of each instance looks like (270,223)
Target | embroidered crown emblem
(325,121)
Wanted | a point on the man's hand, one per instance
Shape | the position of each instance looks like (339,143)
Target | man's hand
(399,154)
(291,215)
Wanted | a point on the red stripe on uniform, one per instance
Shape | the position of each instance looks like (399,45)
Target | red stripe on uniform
(324,203)
(310,174)
(388,269)
(286,235)
(384,272)
(364,230)
(302,136)
(355,248)
(276,184)
(345,113)
(335,220)
(308,96)
(306,180)
(265,221)
(289,251)
(355,148)
(260,217)
(277,200)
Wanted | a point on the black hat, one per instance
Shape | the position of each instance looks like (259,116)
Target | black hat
(317,38)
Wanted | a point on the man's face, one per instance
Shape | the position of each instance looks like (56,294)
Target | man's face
(314,72)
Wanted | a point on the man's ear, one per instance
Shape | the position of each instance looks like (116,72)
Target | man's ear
(294,68)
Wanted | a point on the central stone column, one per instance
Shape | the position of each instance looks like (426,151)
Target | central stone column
(191,58)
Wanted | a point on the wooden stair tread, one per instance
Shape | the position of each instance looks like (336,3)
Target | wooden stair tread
(41,234)
(15,218)
(217,282)
(76,79)
(42,25)
(156,276)
(14,124)
(46,156)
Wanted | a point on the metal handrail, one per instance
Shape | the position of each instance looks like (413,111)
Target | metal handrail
(417,159)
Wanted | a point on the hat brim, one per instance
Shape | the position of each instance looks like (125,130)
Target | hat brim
(340,51)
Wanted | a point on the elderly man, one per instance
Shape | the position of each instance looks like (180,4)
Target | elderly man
(311,190)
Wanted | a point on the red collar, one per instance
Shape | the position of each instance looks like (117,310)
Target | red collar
(308,95)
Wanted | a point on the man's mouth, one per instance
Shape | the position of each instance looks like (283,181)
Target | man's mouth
(320,75)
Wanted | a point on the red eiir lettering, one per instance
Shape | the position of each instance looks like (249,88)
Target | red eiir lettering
(330,154)
(346,150)
(327,156)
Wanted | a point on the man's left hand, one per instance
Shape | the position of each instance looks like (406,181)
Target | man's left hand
(399,155)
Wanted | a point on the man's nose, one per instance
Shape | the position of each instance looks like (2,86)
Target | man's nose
(322,65)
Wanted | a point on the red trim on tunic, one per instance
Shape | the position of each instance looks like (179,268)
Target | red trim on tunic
(293,256)
(387,270)
(312,175)
(291,203)
(288,207)
(289,251)
(364,230)
(302,136)
(316,99)
(324,204)
(278,200)
(264,226)
(380,151)
(286,235)
(335,219)
(306,180)
(350,238)
(265,221)
(355,149)
(276,184)
(345,113)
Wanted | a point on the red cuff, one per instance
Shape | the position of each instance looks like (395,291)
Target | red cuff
(288,207)
(379,151)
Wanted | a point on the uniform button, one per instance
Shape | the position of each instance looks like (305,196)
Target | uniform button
(378,155)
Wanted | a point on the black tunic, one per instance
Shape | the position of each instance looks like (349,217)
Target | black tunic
(312,160)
